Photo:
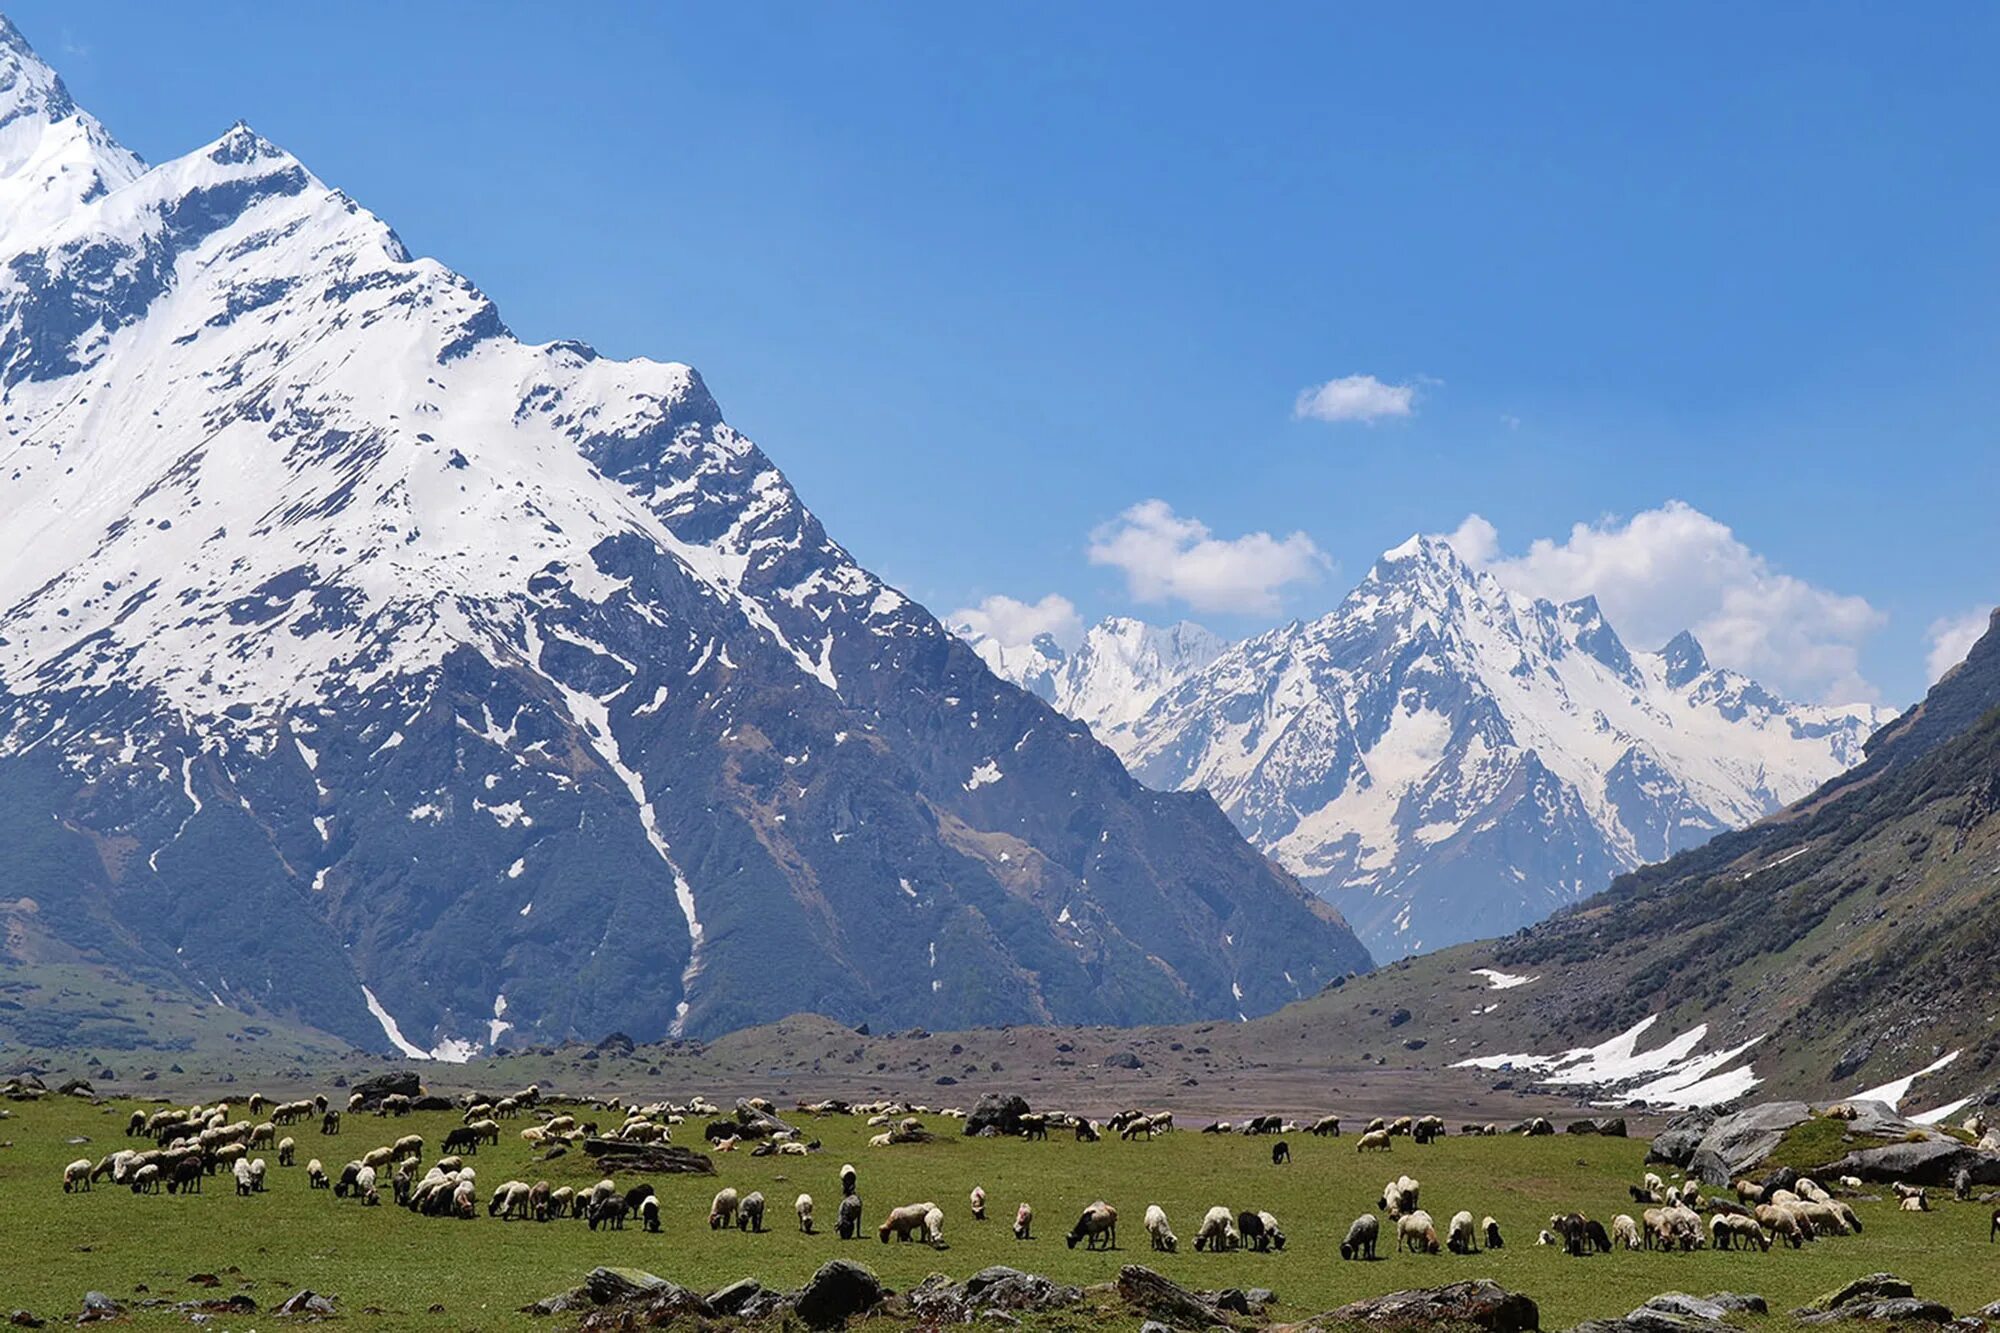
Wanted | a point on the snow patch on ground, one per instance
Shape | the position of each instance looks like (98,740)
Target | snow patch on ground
(988,772)
(1499,980)
(390,1029)
(1893,1092)
(1671,1075)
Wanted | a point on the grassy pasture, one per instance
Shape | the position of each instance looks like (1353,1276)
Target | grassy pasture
(388,1268)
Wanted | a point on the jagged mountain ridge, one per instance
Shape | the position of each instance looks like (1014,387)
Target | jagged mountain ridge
(1119,670)
(1447,760)
(362,663)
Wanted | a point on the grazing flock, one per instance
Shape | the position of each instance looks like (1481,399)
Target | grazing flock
(192,1145)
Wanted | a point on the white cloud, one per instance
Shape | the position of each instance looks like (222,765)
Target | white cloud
(1952,637)
(1014,622)
(1355,398)
(1673,568)
(1168,557)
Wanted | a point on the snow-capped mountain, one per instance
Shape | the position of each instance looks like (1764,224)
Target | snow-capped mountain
(361,662)
(1447,760)
(1122,667)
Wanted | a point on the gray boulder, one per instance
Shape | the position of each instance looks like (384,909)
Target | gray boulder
(732,1298)
(1934,1162)
(1879,1297)
(1611,1126)
(999,1111)
(1680,1303)
(1675,1144)
(836,1293)
(1480,1303)
(1735,1143)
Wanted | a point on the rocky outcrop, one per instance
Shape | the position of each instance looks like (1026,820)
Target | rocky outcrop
(1879,1298)
(369,1092)
(1937,1162)
(1736,1143)
(1480,1303)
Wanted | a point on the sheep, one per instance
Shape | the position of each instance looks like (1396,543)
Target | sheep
(881,1140)
(1399,1196)
(934,1226)
(76,1176)
(1491,1230)
(847,1223)
(1327,1126)
(803,1207)
(1417,1232)
(1459,1234)
(510,1200)
(1162,1235)
(904,1222)
(329,1123)
(978,1199)
(1546,1237)
(1274,1235)
(608,1213)
(1378,1123)
(561,1200)
(263,1135)
(1749,1192)
(1361,1236)
(288,1148)
(1375,1140)
(257,1173)
(241,1169)
(1974,1124)
(649,1213)
(186,1176)
(1782,1224)
(847,1179)
(635,1196)
(722,1212)
(1218,1231)
(146,1179)
(1427,1129)
(1097,1228)
(1915,1203)
(1086,1131)
(1626,1232)
(1994,1229)
(750,1212)
(1731,1230)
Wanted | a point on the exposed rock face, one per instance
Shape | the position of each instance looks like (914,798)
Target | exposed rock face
(1931,1163)
(1879,1298)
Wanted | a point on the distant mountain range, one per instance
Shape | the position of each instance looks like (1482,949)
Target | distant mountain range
(363,665)
(1442,758)
(1848,945)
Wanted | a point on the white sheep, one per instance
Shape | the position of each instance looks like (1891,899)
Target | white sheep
(1157,1228)
(315,1175)
(1217,1232)
(1415,1231)
(803,1206)
(1625,1232)
(934,1226)
(1459,1235)
(1024,1222)
(722,1211)
(978,1203)
(76,1176)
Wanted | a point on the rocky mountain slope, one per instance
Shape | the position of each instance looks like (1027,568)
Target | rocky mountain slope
(362,664)
(1849,944)
(1445,759)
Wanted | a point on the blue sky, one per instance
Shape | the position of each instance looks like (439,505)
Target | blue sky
(984,280)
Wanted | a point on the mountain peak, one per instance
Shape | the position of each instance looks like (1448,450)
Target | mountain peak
(1684,658)
(240,144)
(28,87)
